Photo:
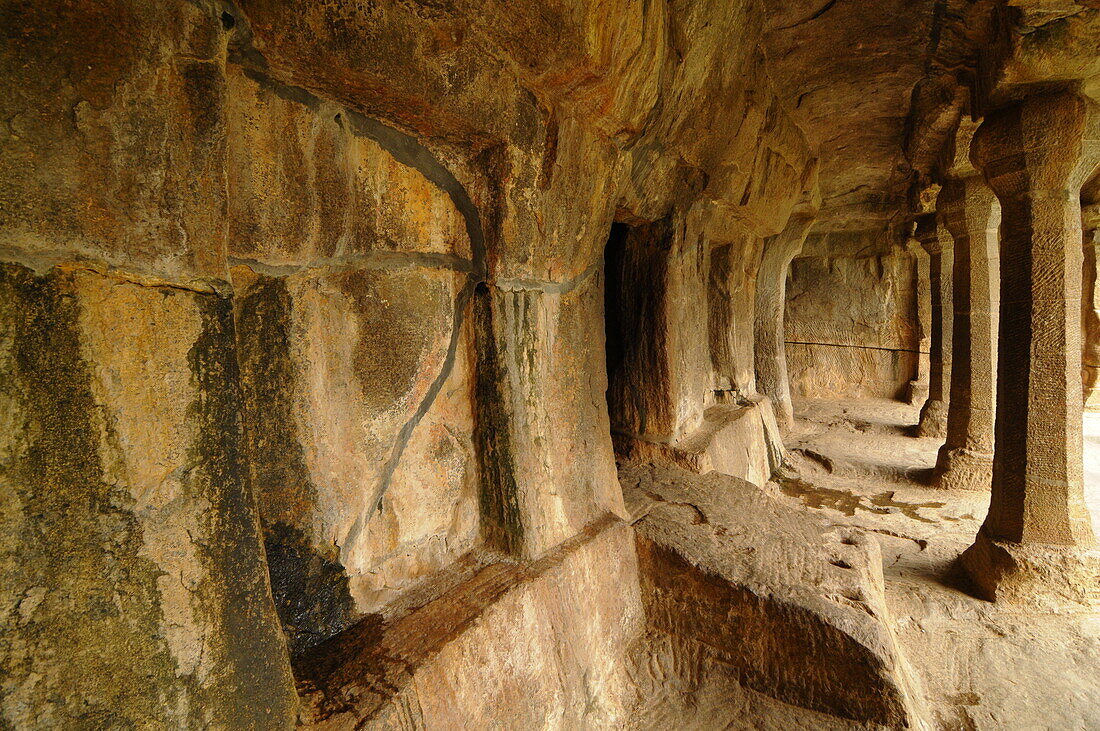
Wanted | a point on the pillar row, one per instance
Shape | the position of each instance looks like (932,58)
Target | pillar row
(935,239)
(972,215)
(1036,538)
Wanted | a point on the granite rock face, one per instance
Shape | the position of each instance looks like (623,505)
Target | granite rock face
(324,324)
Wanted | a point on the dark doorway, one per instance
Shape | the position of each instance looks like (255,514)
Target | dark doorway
(636,261)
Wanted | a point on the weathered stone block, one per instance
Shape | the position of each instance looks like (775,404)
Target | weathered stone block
(306,184)
(131,550)
(359,404)
(741,440)
(788,606)
(116,146)
(508,644)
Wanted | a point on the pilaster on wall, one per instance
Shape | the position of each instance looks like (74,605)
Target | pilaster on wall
(771,302)
(538,409)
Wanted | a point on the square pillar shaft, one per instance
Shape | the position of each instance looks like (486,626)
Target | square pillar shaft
(971,214)
(938,243)
(1037,540)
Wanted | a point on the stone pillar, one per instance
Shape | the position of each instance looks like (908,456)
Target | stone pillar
(1090,308)
(971,214)
(918,387)
(1031,544)
(771,303)
(937,242)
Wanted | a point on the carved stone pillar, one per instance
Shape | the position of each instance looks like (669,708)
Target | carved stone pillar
(1090,308)
(971,214)
(918,387)
(1033,539)
(771,302)
(937,242)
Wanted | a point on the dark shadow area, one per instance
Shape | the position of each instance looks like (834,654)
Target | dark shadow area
(613,256)
(636,267)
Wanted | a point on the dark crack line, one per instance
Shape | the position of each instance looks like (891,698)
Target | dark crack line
(409,151)
(826,8)
(861,347)
(405,435)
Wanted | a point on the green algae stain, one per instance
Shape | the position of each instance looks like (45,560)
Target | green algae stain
(252,686)
(82,644)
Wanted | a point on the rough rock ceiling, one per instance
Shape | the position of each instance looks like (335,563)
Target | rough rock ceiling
(847,69)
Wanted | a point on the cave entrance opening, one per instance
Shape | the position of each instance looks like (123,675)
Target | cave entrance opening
(636,292)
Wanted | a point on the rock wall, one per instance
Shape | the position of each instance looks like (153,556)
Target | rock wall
(304,305)
(852,323)
(302,346)
(135,586)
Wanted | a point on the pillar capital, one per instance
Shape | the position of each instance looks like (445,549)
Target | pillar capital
(966,207)
(931,234)
(1032,147)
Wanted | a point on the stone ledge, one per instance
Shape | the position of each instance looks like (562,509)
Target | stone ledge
(508,644)
(741,440)
(791,607)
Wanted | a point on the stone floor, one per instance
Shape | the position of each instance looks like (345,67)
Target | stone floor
(982,665)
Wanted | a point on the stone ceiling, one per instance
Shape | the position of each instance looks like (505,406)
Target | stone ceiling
(847,69)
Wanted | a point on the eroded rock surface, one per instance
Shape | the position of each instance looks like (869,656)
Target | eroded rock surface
(851,324)
(788,606)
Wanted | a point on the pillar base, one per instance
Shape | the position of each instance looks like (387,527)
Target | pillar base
(962,469)
(917,393)
(1034,574)
(933,419)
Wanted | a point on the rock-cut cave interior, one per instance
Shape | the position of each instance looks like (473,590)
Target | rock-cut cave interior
(550,364)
